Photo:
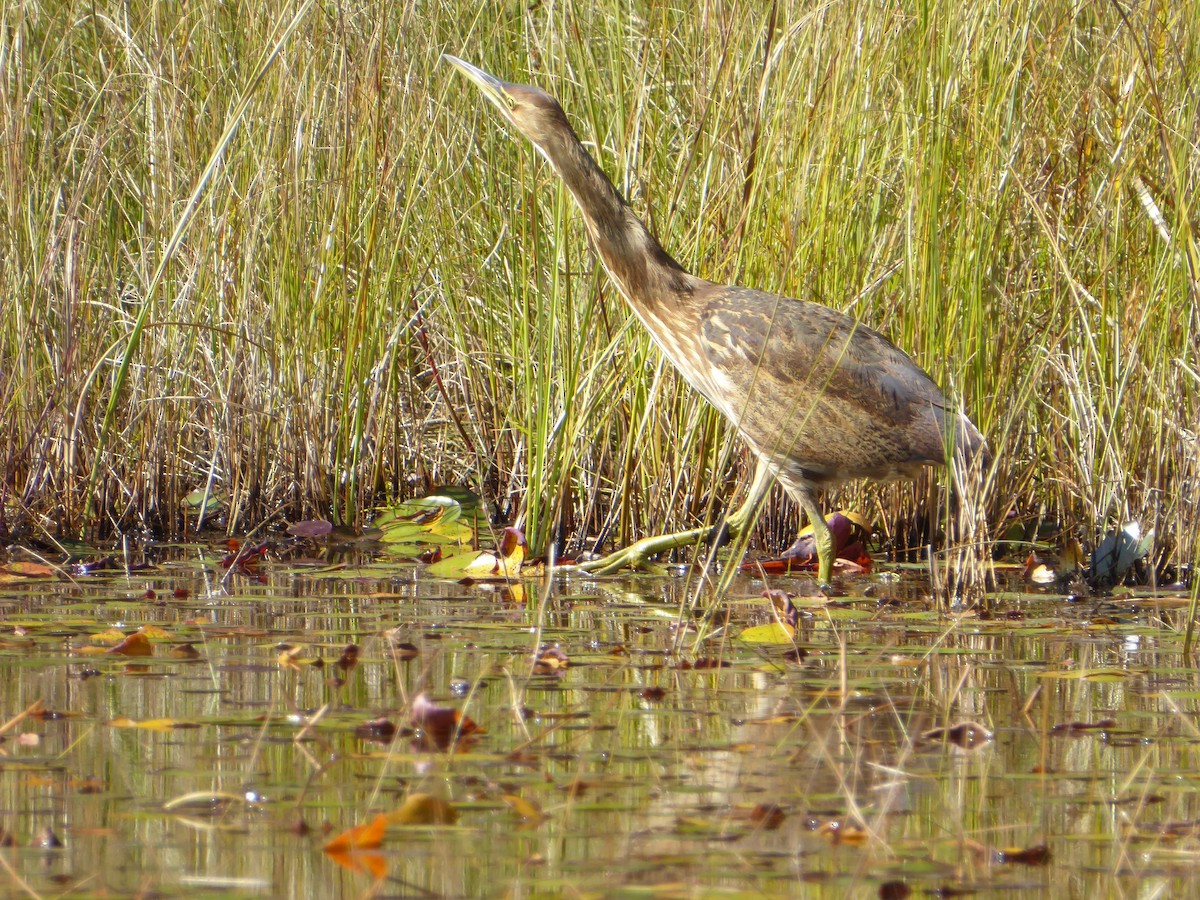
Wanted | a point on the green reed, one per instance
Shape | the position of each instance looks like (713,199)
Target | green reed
(379,290)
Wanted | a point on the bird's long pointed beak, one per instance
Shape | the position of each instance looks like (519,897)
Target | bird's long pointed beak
(492,87)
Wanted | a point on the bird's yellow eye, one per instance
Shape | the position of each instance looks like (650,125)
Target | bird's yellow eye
(510,102)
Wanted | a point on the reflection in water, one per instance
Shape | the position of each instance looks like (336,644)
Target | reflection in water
(649,756)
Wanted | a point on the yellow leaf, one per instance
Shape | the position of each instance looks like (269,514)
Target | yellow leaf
(423,809)
(150,724)
(109,636)
(771,633)
(528,811)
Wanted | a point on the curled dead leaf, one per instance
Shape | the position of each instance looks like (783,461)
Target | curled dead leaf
(442,727)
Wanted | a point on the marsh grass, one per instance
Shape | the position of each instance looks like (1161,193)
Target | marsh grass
(379,289)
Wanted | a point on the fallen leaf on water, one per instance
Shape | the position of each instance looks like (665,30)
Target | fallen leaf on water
(767,816)
(401,648)
(16,571)
(137,644)
(244,558)
(894,890)
(150,724)
(380,729)
(770,633)
(967,735)
(108,636)
(360,837)
(369,862)
(1038,855)
(529,812)
(423,809)
(443,727)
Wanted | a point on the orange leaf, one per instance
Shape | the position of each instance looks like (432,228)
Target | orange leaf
(360,837)
(137,644)
(368,861)
(28,570)
(151,724)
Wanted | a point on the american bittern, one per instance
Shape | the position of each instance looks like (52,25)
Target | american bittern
(819,397)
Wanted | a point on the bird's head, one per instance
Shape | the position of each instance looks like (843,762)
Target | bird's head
(528,109)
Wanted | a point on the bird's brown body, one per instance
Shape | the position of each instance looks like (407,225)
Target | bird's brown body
(819,397)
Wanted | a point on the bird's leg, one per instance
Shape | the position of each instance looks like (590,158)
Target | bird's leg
(822,536)
(743,518)
(735,524)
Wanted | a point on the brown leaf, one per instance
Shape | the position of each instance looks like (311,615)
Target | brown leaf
(894,890)
(137,644)
(767,816)
(380,729)
(442,727)
(26,570)
(1037,855)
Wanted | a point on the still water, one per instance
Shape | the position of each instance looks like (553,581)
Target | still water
(636,759)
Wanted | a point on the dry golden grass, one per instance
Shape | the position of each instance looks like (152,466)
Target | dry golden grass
(376,289)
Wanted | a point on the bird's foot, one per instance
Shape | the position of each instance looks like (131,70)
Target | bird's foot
(637,554)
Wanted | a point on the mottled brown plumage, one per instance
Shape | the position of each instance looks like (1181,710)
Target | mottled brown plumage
(819,397)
